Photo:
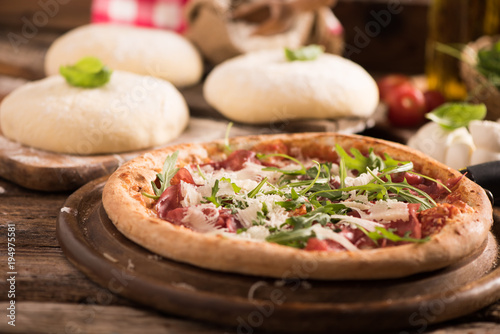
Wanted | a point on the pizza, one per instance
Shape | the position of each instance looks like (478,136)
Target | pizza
(341,206)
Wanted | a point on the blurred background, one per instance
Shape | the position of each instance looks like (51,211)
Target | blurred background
(380,43)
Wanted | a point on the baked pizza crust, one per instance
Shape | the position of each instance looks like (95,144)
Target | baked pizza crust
(132,214)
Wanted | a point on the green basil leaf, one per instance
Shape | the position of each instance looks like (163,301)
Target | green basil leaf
(452,116)
(88,72)
(310,52)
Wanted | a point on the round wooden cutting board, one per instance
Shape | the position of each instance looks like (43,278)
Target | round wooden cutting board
(248,304)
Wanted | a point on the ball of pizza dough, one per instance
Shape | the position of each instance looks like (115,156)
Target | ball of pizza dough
(130,112)
(263,86)
(145,51)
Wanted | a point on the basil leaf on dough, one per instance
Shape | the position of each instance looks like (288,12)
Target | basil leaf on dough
(88,72)
(310,52)
(452,116)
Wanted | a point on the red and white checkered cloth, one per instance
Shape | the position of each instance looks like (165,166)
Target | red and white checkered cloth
(165,14)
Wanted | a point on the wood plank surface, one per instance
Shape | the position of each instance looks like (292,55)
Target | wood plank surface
(89,318)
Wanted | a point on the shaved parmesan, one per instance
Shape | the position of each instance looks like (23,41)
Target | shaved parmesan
(327,234)
(190,195)
(387,211)
(358,206)
(361,180)
(276,214)
(248,215)
(202,218)
(366,224)
(257,233)
(380,211)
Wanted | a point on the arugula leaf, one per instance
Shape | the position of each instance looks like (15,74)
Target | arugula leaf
(433,180)
(306,189)
(395,169)
(383,233)
(256,190)
(235,187)
(296,238)
(361,163)
(310,52)
(300,171)
(168,171)
(294,203)
(401,190)
(390,162)
(320,215)
(358,162)
(200,172)
(378,189)
(342,172)
(213,197)
(374,161)
(88,72)
(451,116)
(322,168)
(381,191)
(304,183)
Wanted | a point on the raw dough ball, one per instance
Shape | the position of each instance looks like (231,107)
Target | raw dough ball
(146,51)
(130,112)
(263,86)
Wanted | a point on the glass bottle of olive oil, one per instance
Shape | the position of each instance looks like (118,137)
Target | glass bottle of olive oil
(455,23)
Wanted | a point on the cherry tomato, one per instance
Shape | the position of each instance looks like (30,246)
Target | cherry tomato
(389,82)
(406,106)
(433,99)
